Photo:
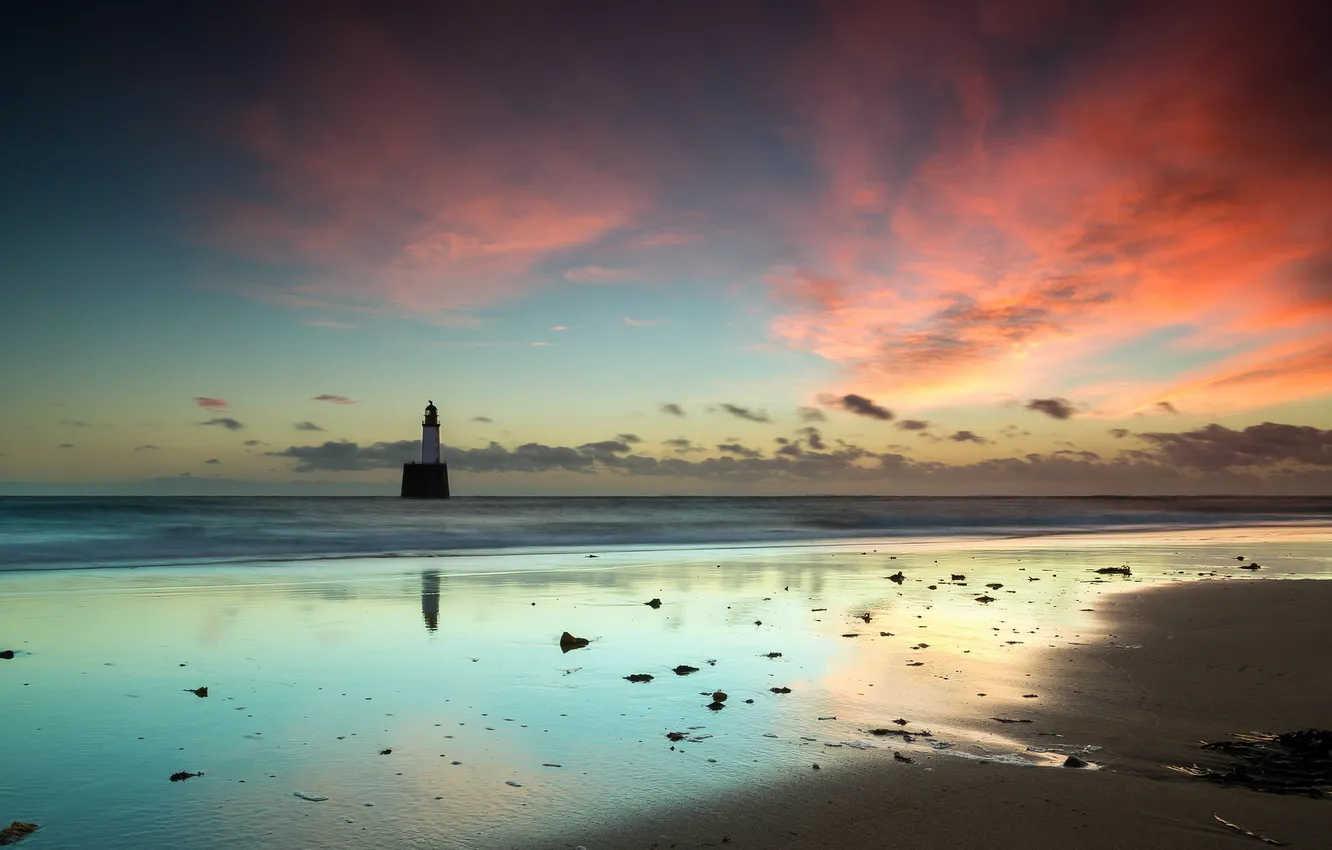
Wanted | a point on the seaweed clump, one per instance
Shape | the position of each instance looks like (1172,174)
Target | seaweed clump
(1291,763)
(17,831)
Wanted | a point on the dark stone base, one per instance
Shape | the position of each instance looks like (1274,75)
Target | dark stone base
(425,480)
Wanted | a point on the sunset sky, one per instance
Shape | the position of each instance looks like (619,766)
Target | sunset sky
(1015,246)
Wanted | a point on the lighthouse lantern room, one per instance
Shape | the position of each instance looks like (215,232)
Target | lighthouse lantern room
(428,479)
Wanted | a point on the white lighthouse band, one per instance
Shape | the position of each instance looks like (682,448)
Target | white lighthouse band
(430,435)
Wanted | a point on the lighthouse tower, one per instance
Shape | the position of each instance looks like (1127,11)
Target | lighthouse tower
(428,479)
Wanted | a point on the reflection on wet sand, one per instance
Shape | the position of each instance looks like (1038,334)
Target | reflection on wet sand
(430,599)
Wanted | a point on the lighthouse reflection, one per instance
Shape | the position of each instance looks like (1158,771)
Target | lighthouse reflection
(430,599)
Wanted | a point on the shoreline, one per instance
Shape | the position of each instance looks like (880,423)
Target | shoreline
(1215,659)
(1296,531)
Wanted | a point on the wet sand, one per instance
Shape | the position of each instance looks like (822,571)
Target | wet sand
(497,739)
(1195,662)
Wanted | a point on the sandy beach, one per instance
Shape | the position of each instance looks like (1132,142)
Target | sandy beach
(1215,659)
(426,703)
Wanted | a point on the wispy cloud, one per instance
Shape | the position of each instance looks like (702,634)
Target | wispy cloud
(672,409)
(74,423)
(334,399)
(207,402)
(1055,408)
(862,406)
(307,426)
(224,422)
(639,323)
(601,275)
(745,413)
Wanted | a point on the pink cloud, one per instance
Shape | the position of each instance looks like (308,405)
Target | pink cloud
(600,274)
(205,401)
(335,399)
(1036,232)
(401,184)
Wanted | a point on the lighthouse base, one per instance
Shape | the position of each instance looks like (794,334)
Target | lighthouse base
(425,480)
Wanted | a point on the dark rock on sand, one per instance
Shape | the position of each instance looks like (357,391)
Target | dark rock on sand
(198,692)
(719,696)
(8,653)
(1008,720)
(782,690)
(1074,761)
(639,677)
(17,831)
(897,577)
(568,642)
(653,603)
(865,616)
(851,634)
(182,776)
(1115,571)
(684,670)
(1251,566)
(676,736)
(772,655)
(1290,763)
(901,721)
(386,751)
(956,577)
(899,757)
(986,599)
(994,585)
(716,706)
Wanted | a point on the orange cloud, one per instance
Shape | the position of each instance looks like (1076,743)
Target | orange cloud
(988,226)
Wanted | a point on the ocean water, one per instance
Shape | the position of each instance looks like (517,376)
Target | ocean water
(72,533)
(423,700)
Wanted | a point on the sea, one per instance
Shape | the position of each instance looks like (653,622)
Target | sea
(42,533)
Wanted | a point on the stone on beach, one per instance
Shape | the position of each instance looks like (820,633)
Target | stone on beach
(198,692)
(568,642)
(639,677)
(8,653)
(653,603)
(684,670)
(306,795)
(181,776)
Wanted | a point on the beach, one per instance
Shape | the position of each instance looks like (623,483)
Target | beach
(426,702)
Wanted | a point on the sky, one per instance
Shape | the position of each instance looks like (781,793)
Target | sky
(949,248)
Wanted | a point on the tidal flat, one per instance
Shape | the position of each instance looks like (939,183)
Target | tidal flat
(428,700)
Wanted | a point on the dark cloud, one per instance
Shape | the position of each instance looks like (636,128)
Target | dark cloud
(214,403)
(145,448)
(968,437)
(307,426)
(813,437)
(74,423)
(812,414)
(604,447)
(482,419)
(629,438)
(1191,462)
(682,445)
(213,460)
(335,399)
(224,421)
(672,409)
(65,446)
(1165,407)
(1118,433)
(1216,447)
(254,442)
(1056,408)
(746,413)
(912,425)
(737,449)
(862,406)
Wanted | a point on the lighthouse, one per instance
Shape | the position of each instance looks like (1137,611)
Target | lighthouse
(428,479)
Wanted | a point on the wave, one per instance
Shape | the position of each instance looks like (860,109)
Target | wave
(46,533)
